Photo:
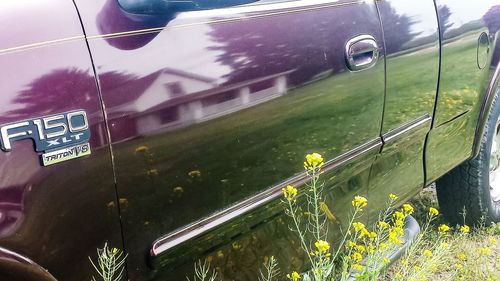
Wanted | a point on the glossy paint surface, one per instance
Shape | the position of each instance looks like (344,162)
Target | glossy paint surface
(214,107)
(412,71)
(208,109)
(463,84)
(56,216)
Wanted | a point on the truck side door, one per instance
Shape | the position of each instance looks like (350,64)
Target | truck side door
(211,113)
(412,68)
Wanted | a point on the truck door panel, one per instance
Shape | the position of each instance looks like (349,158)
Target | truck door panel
(211,113)
(412,67)
(466,71)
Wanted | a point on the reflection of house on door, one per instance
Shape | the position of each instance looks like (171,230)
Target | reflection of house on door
(175,98)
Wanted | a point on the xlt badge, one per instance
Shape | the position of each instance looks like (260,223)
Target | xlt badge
(60,137)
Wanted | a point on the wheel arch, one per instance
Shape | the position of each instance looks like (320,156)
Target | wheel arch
(14,266)
(491,89)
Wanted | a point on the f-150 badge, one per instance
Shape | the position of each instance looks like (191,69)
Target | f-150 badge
(59,137)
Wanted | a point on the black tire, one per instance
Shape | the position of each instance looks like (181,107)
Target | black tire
(467,187)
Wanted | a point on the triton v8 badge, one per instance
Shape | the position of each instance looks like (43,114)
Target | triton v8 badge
(59,137)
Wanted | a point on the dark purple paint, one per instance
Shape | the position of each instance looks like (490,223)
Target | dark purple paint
(57,216)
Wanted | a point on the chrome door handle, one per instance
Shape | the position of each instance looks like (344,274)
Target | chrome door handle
(361,52)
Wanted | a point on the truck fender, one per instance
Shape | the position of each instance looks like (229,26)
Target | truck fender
(14,266)
(491,90)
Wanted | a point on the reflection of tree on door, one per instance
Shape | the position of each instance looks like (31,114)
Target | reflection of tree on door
(444,19)
(313,44)
(397,27)
(48,93)
(492,19)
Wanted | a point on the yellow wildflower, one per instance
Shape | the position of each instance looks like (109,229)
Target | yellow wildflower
(433,212)
(417,268)
(461,256)
(141,149)
(398,216)
(387,261)
(290,193)
(351,244)
(394,237)
(194,174)
(443,229)
(371,248)
(404,262)
(123,202)
(428,253)
(178,190)
(313,161)
(360,248)
(407,209)
(359,201)
(383,224)
(152,172)
(484,251)
(294,276)
(236,245)
(358,226)
(459,266)
(357,267)
(322,246)
(434,268)
(393,197)
(357,257)
(444,245)
(492,240)
(372,235)
(465,228)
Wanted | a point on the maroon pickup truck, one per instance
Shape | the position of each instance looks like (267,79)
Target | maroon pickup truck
(168,128)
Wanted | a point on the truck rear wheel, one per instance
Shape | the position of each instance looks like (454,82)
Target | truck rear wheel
(474,186)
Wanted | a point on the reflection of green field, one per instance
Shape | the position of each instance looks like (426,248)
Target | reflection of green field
(412,81)
(411,86)
(242,153)
(460,90)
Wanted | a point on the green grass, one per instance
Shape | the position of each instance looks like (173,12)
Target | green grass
(463,260)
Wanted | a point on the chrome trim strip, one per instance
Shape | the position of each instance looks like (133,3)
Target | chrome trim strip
(405,128)
(41,44)
(200,227)
(294,6)
(298,6)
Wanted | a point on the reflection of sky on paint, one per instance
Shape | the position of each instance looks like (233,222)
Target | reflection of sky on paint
(426,23)
(24,67)
(183,49)
(462,12)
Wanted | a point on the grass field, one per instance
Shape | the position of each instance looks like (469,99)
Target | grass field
(472,256)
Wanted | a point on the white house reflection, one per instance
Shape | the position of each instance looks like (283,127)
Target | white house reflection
(176,98)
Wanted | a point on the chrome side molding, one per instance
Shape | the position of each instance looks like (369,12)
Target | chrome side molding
(196,229)
(398,132)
